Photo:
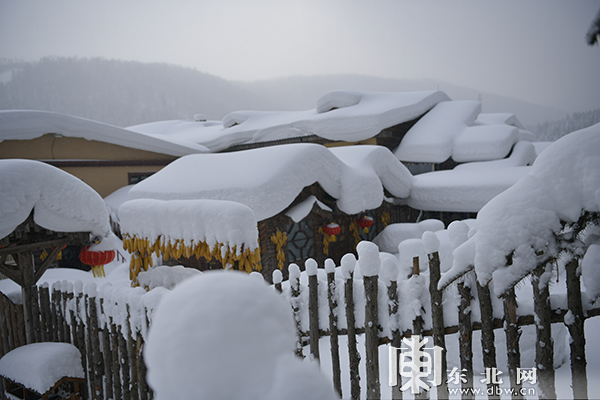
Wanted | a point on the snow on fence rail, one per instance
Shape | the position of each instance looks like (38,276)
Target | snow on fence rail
(372,296)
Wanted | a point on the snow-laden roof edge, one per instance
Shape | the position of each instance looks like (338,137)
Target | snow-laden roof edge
(60,201)
(338,116)
(269,179)
(31,124)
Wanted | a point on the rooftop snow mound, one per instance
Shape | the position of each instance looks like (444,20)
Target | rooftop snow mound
(26,125)
(563,182)
(60,201)
(209,221)
(457,130)
(339,116)
(269,179)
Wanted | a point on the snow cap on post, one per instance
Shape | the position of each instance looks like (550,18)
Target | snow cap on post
(431,242)
(348,263)
(277,276)
(294,271)
(329,266)
(368,258)
(458,233)
(389,271)
(408,250)
(311,267)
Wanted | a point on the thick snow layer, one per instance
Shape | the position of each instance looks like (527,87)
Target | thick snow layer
(389,239)
(60,202)
(340,116)
(301,210)
(165,276)
(563,181)
(246,352)
(461,190)
(26,125)
(457,130)
(523,154)
(208,221)
(39,366)
(115,199)
(269,179)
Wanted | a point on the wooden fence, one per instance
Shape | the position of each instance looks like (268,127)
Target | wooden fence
(384,304)
(105,330)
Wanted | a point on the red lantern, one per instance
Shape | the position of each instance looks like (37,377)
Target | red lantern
(332,229)
(97,259)
(365,223)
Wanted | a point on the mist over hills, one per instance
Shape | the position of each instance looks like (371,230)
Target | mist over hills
(126,93)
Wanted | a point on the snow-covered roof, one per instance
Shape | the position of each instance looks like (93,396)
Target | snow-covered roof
(563,182)
(339,116)
(60,202)
(27,124)
(269,179)
(458,130)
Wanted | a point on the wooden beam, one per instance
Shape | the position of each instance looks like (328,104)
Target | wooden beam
(24,248)
(49,260)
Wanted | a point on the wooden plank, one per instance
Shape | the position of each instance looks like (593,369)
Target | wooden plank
(577,332)
(544,349)
(465,338)
(396,341)
(116,364)
(488,344)
(511,330)
(294,270)
(372,336)
(437,316)
(353,355)
(106,354)
(333,325)
(4,347)
(313,314)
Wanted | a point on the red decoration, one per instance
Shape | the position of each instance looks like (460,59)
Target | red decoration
(365,222)
(94,258)
(332,229)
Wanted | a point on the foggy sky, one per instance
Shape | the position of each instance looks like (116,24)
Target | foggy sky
(532,50)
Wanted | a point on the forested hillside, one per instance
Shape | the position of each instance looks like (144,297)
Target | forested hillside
(126,93)
(550,131)
(121,93)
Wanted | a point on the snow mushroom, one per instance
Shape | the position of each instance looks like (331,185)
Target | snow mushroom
(223,335)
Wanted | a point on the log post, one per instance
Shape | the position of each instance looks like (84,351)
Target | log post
(348,264)
(465,338)
(313,307)
(106,351)
(389,275)
(26,265)
(370,263)
(544,349)
(432,245)
(333,326)
(116,363)
(294,278)
(488,344)
(97,362)
(576,330)
(45,313)
(131,344)
(511,330)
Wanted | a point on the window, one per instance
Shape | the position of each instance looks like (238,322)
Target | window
(137,177)
(300,241)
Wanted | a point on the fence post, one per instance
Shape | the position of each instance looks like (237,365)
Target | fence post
(45,313)
(294,278)
(465,338)
(313,307)
(333,325)
(576,330)
(108,376)
(116,364)
(55,313)
(277,279)
(348,264)
(432,246)
(369,262)
(131,345)
(487,332)
(389,275)
(35,314)
(544,349)
(511,330)
(96,362)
